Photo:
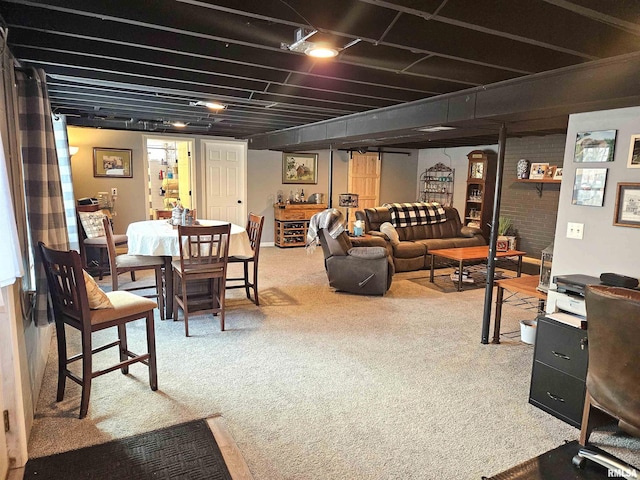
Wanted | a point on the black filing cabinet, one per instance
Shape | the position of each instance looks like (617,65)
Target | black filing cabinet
(559,370)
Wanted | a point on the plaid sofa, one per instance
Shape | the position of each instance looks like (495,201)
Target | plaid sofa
(411,252)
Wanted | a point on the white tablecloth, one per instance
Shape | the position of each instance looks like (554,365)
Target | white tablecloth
(158,238)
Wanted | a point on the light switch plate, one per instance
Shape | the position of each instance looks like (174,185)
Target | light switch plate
(575,230)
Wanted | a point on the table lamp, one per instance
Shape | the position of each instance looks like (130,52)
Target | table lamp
(348,200)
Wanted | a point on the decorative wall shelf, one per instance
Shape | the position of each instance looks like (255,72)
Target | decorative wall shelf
(437,184)
(539,182)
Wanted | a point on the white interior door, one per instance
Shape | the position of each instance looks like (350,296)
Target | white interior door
(225,167)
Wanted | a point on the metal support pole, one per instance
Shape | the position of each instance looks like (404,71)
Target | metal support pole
(491,260)
(330,193)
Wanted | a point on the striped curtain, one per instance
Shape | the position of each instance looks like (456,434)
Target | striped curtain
(64,162)
(43,190)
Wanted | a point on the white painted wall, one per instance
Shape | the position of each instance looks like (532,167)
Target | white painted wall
(605,247)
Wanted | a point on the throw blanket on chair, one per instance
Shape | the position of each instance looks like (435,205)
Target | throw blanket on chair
(419,213)
(331,220)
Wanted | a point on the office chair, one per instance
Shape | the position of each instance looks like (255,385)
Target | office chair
(613,376)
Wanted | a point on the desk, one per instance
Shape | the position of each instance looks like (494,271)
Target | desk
(520,285)
(159,238)
(471,253)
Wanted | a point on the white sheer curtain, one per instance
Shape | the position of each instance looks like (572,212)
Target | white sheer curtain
(11,264)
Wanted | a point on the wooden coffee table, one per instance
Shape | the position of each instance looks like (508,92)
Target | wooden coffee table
(463,254)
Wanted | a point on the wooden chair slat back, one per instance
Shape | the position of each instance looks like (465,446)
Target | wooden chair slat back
(111,244)
(66,285)
(254,230)
(204,248)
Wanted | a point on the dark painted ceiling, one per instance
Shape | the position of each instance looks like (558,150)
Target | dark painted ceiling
(140,65)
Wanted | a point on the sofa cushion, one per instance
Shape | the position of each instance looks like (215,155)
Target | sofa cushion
(391,232)
(368,252)
(409,250)
(334,246)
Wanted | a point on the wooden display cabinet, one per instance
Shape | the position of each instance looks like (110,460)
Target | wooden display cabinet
(292,222)
(481,182)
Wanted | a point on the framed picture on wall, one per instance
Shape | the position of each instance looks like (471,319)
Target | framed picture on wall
(112,162)
(595,146)
(634,152)
(588,188)
(627,212)
(300,168)
(538,171)
(551,171)
(557,175)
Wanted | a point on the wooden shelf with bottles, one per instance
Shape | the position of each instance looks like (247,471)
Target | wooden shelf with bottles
(481,181)
(292,222)
(437,184)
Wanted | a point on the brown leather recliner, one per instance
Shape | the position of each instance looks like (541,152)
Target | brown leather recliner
(613,375)
(366,270)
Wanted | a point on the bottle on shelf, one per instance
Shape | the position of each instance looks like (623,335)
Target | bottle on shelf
(302,196)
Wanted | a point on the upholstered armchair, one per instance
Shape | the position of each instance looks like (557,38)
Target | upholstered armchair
(363,270)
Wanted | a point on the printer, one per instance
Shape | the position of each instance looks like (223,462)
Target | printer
(566,303)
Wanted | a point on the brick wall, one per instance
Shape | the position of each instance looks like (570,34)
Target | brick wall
(533,216)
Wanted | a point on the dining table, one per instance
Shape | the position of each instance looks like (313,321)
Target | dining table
(159,238)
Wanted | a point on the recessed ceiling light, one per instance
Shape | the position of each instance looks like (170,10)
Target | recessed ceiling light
(179,124)
(321,51)
(438,128)
(211,105)
(215,105)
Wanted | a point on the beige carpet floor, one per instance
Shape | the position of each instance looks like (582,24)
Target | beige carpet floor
(315,384)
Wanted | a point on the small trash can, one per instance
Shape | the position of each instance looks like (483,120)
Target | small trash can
(528,331)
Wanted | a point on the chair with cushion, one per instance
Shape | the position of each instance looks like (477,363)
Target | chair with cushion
(133,263)
(254,230)
(613,376)
(363,270)
(204,253)
(92,235)
(79,303)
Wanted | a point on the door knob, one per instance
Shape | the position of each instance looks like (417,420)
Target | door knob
(239,201)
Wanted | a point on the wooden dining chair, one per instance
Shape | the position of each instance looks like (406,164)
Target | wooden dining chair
(204,252)
(79,303)
(254,230)
(91,235)
(123,263)
(162,214)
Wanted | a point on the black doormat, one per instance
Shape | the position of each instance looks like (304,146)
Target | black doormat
(556,465)
(185,451)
